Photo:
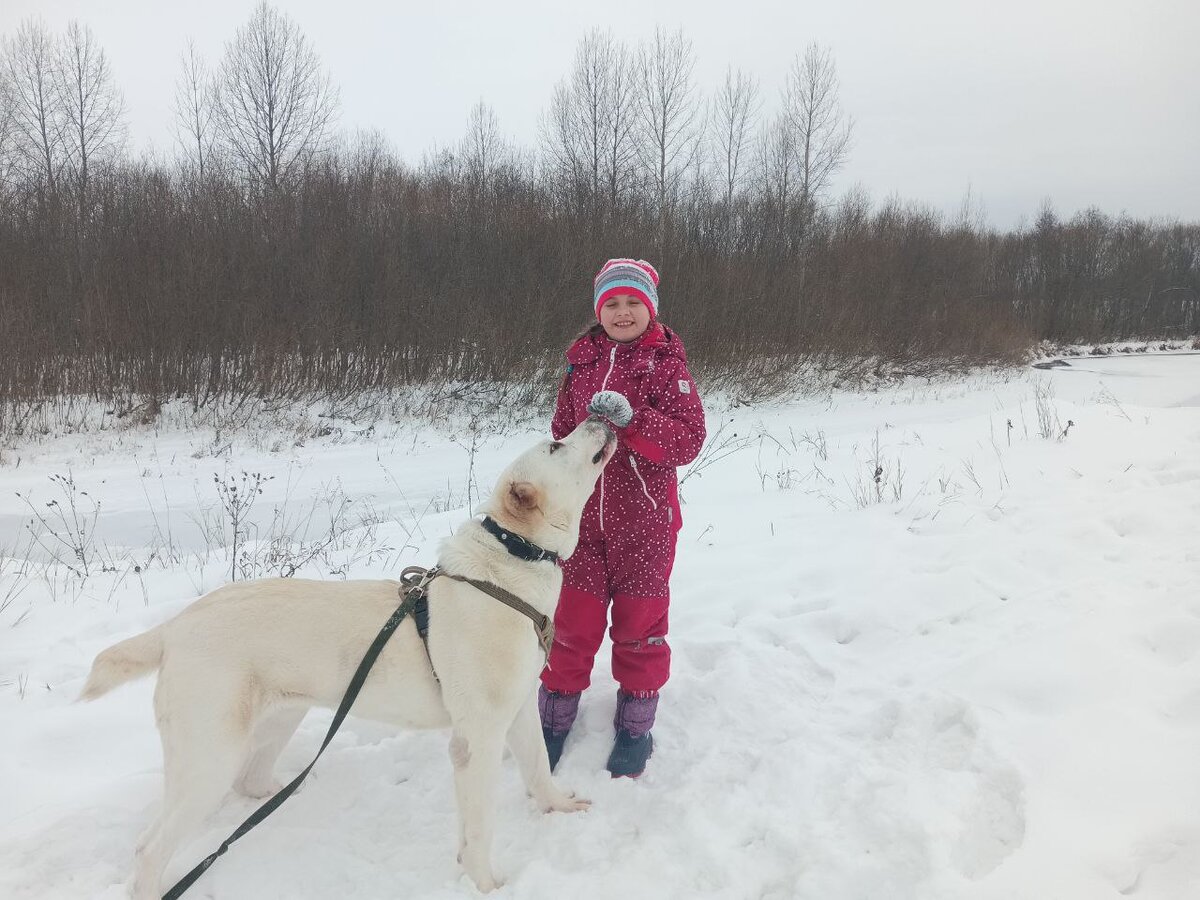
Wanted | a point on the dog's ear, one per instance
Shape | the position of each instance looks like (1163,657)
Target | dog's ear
(521,499)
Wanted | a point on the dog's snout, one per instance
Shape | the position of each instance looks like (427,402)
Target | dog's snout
(594,419)
(598,427)
(604,454)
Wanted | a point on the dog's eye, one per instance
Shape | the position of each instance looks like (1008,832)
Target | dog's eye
(556,445)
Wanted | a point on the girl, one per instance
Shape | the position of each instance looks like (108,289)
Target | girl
(631,370)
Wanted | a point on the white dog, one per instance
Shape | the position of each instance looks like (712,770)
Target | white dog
(239,668)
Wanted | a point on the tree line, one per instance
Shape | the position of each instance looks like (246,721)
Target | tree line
(275,256)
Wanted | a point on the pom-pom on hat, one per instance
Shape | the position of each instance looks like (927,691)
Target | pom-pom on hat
(628,276)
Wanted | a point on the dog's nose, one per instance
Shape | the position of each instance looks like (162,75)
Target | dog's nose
(609,434)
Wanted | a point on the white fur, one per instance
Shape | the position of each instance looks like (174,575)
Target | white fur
(238,669)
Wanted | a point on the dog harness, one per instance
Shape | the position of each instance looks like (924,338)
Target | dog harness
(415,581)
(414,589)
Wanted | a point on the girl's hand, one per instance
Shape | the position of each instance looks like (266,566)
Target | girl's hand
(613,406)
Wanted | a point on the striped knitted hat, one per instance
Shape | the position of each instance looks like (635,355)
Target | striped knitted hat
(628,276)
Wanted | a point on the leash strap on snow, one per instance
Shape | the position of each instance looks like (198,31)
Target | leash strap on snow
(356,683)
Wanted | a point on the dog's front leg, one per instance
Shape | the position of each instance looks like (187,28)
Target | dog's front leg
(476,754)
(527,746)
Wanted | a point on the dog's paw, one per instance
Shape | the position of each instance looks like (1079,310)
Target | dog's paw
(485,882)
(564,802)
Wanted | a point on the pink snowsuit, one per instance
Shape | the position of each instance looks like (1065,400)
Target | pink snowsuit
(627,535)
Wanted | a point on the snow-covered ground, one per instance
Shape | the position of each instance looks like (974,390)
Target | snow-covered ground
(977,677)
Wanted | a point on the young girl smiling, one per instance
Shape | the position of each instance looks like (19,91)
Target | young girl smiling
(630,369)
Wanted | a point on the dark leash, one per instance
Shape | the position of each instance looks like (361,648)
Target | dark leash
(414,587)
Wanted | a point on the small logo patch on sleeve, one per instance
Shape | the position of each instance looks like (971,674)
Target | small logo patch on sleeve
(685,386)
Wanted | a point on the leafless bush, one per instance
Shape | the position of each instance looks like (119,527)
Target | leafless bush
(64,527)
(1049,425)
(717,446)
(237,497)
(356,275)
(816,441)
(298,536)
(881,481)
(16,584)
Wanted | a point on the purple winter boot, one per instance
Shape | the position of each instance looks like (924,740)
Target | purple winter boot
(634,744)
(558,712)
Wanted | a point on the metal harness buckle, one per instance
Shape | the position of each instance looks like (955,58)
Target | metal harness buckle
(415,580)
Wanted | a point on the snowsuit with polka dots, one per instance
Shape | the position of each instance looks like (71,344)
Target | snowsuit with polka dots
(627,534)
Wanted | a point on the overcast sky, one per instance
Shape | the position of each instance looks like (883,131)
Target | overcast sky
(1083,103)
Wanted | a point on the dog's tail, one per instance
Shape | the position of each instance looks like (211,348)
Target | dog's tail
(130,659)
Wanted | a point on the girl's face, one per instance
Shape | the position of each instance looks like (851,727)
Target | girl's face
(625,317)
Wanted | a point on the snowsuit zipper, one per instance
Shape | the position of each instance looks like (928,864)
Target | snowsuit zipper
(642,481)
(612,361)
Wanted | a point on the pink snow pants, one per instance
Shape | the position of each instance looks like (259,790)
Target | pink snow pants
(635,594)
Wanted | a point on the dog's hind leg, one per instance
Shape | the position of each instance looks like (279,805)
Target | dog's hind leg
(204,743)
(529,748)
(270,737)
(476,754)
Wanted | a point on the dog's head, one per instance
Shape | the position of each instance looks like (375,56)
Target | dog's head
(541,495)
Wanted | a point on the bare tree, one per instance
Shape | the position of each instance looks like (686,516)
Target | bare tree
(588,135)
(195,110)
(37,122)
(819,129)
(93,108)
(775,158)
(483,148)
(734,110)
(619,125)
(369,154)
(562,156)
(275,104)
(7,105)
(671,116)
(590,86)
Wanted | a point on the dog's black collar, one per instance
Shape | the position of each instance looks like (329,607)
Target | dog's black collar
(517,545)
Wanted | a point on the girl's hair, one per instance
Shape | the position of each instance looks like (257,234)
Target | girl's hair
(595,328)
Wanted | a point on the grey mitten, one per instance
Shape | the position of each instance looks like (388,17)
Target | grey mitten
(613,406)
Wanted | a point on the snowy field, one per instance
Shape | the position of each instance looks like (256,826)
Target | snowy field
(976,675)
